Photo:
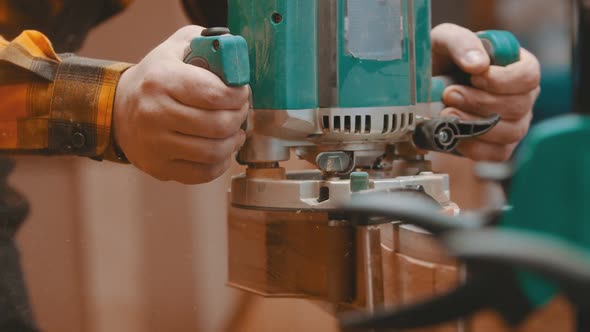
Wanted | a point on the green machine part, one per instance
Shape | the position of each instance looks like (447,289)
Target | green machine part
(307,54)
(550,190)
(282,43)
(371,75)
(224,55)
(304,54)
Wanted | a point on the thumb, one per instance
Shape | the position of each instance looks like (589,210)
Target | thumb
(186,34)
(452,44)
(176,45)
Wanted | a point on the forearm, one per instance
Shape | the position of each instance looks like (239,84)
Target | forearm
(54,104)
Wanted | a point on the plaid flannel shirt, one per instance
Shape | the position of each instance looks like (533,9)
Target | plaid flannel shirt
(50,103)
(54,104)
(63,104)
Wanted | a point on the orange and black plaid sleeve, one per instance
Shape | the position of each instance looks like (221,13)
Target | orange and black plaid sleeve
(50,103)
(54,104)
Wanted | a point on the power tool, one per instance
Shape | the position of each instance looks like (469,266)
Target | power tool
(347,86)
(534,249)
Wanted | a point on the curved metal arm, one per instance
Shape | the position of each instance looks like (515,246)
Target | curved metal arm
(457,303)
(546,256)
(553,258)
(414,210)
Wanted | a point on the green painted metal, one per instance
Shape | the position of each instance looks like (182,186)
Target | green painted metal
(550,190)
(372,83)
(359,181)
(282,41)
(505,47)
(226,56)
(423,48)
(283,57)
(438,89)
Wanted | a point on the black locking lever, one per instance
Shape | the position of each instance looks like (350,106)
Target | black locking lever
(444,134)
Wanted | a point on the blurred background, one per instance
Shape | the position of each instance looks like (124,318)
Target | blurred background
(108,248)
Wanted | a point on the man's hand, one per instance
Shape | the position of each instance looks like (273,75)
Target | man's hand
(508,91)
(176,121)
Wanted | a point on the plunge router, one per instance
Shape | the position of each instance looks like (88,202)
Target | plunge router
(347,86)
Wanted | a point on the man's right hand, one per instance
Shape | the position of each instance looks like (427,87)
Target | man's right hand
(176,121)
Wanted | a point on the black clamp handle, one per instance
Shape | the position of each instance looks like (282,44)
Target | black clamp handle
(444,134)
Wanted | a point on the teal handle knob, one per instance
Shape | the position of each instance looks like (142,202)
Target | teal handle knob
(502,47)
(224,55)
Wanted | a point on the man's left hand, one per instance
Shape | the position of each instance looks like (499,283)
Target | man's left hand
(508,91)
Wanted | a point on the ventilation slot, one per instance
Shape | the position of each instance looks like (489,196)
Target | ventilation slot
(357,124)
(402,124)
(337,124)
(411,119)
(385,124)
(394,123)
(326,123)
(347,126)
(324,194)
(367,124)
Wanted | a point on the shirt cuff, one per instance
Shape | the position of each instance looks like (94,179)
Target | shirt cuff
(82,108)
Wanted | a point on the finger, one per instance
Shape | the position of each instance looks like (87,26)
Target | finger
(478,150)
(202,150)
(517,78)
(187,172)
(454,44)
(479,102)
(194,86)
(191,121)
(505,132)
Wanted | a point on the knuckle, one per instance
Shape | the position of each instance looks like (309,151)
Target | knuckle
(479,102)
(517,109)
(535,94)
(187,31)
(485,101)
(227,125)
(243,95)
(152,79)
(216,97)
(145,104)
(444,27)
(532,79)
(517,133)
(522,131)
(451,112)
(217,153)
